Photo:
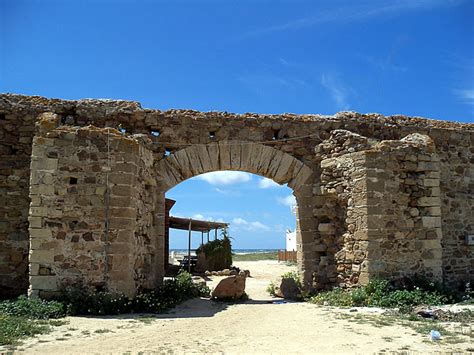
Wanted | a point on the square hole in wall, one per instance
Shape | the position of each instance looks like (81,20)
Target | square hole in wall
(73,180)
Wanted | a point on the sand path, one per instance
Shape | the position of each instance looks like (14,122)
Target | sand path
(256,326)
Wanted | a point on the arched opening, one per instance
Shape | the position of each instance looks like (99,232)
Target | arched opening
(254,211)
(258,159)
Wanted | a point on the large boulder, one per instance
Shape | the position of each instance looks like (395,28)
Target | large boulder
(289,289)
(232,287)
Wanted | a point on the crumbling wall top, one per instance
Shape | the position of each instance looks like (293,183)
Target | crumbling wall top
(96,108)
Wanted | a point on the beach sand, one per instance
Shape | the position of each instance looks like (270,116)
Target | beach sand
(254,326)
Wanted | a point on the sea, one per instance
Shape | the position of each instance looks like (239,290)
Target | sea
(235,251)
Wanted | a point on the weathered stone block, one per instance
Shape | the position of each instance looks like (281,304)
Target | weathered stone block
(431,182)
(44,164)
(431,222)
(428,201)
(44,282)
(41,256)
(42,233)
(325,228)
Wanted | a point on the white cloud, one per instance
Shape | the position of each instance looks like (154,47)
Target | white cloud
(225,177)
(466,95)
(249,226)
(205,218)
(287,201)
(265,183)
(258,226)
(239,221)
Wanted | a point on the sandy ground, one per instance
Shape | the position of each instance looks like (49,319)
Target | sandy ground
(255,326)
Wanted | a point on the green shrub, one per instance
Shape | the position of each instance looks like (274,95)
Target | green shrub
(218,253)
(381,293)
(32,308)
(79,301)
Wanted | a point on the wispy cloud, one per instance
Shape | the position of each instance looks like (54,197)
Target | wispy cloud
(465,95)
(262,84)
(265,183)
(220,178)
(249,226)
(337,89)
(283,61)
(356,12)
(287,201)
(227,192)
(387,62)
(206,218)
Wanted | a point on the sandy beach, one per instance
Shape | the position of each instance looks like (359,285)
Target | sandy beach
(254,326)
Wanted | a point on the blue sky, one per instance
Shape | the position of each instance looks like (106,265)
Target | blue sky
(412,57)
(258,209)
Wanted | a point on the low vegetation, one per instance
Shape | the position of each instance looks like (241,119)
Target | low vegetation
(382,293)
(255,256)
(272,288)
(25,317)
(173,291)
(218,252)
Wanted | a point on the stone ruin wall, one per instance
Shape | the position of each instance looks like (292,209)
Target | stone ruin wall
(454,145)
(71,169)
(387,200)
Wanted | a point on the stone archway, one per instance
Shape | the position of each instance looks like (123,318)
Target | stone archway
(368,207)
(252,158)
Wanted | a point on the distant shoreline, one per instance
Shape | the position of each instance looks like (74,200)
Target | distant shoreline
(234,251)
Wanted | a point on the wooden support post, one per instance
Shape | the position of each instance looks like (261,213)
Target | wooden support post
(215,234)
(202,238)
(189,248)
(208,236)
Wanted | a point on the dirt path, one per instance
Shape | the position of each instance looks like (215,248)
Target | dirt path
(256,326)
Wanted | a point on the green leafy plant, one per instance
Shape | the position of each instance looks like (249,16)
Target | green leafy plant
(293,275)
(32,308)
(14,328)
(382,293)
(25,317)
(272,288)
(80,301)
(218,252)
